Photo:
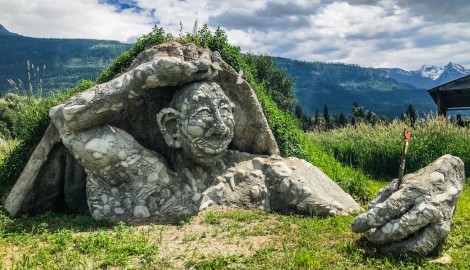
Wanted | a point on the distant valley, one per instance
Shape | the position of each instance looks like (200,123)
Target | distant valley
(384,91)
(339,85)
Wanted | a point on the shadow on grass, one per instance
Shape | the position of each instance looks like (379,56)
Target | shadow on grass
(51,221)
(370,251)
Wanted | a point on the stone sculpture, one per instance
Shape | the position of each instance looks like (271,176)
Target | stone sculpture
(191,167)
(416,216)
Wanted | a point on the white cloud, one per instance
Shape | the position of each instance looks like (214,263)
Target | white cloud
(71,19)
(380,35)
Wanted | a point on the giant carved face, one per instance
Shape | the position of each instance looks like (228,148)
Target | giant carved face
(200,122)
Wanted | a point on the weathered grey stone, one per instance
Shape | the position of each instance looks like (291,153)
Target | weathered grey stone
(52,179)
(416,216)
(173,136)
(74,185)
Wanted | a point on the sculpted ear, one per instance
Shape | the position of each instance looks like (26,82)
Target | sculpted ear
(168,120)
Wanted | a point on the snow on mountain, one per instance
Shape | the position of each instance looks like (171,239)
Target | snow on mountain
(428,76)
(432,72)
(452,67)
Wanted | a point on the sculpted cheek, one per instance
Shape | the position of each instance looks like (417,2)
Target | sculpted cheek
(195,131)
(201,123)
(230,122)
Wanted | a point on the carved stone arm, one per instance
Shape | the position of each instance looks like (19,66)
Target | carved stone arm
(97,105)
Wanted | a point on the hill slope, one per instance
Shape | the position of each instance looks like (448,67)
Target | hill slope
(5,32)
(66,61)
(339,85)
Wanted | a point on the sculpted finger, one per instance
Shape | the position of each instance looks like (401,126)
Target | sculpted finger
(397,229)
(395,205)
(422,243)
(384,193)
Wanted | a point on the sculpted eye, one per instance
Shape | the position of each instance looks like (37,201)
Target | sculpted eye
(203,112)
(225,110)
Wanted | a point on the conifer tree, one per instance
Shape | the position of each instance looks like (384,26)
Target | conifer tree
(326,116)
(411,115)
(317,120)
(342,121)
(298,112)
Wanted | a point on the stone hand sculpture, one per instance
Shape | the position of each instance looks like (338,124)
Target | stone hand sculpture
(416,216)
(195,170)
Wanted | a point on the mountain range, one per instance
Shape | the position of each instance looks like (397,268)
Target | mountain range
(61,63)
(428,76)
(339,85)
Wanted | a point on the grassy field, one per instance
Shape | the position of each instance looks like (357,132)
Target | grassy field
(240,239)
(213,240)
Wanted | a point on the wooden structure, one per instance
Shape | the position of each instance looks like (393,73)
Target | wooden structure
(454,95)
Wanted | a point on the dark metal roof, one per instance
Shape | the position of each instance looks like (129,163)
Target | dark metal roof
(455,94)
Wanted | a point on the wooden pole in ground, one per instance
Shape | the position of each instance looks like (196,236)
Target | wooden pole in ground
(407,137)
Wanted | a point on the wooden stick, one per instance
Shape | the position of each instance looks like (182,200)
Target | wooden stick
(407,137)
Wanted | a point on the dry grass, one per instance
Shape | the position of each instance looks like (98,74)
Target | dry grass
(161,246)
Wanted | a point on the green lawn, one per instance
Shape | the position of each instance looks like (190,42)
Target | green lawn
(213,240)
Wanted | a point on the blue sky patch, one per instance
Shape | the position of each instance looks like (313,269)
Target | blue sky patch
(123,5)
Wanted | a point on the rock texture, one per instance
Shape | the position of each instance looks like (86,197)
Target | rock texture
(173,136)
(251,134)
(279,184)
(41,185)
(416,216)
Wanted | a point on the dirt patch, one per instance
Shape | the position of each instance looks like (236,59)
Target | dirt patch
(197,239)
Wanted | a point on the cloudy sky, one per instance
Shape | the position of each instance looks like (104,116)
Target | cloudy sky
(373,33)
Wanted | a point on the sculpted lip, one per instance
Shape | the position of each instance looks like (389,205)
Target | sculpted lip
(207,147)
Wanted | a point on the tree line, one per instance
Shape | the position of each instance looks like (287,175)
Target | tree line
(326,122)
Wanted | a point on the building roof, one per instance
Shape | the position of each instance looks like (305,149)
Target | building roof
(455,94)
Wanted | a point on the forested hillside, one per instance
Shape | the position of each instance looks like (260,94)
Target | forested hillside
(339,85)
(59,63)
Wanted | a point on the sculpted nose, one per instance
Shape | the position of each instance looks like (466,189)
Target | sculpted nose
(218,127)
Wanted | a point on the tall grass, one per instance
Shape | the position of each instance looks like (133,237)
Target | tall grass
(34,85)
(377,150)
